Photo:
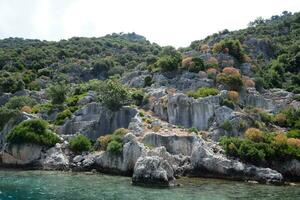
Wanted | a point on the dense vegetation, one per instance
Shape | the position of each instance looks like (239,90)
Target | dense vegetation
(33,131)
(114,142)
(80,143)
(203,92)
(272,45)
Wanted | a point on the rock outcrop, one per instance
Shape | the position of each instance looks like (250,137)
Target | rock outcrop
(55,158)
(153,170)
(174,144)
(21,155)
(186,111)
(207,163)
(95,120)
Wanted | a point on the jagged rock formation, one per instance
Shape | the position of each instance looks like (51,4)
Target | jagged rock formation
(206,162)
(95,120)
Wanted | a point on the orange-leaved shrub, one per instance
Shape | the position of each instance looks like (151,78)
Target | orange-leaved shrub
(254,135)
(233,96)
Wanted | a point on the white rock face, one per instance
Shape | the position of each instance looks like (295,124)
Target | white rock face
(174,144)
(182,110)
(95,120)
(23,154)
(121,162)
(55,159)
(152,170)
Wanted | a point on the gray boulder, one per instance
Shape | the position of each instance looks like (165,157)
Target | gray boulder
(55,159)
(153,170)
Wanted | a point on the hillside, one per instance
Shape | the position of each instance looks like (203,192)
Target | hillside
(227,106)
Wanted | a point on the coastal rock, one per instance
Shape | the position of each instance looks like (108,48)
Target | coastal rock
(289,169)
(22,154)
(206,162)
(152,170)
(95,120)
(55,159)
(174,144)
(120,162)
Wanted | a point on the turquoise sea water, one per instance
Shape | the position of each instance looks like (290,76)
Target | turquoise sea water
(42,185)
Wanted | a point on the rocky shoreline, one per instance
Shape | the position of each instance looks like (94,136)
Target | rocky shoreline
(154,157)
(147,166)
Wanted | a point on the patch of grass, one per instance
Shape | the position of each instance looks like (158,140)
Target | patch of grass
(203,92)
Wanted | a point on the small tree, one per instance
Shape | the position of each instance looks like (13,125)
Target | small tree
(80,143)
(57,93)
(113,94)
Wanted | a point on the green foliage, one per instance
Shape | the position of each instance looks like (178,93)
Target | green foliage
(193,130)
(62,116)
(232,81)
(32,131)
(266,117)
(227,102)
(148,81)
(57,93)
(114,142)
(169,59)
(113,94)
(5,115)
(292,118)
(137,97)
(293,133)
(274,147)
(80,143)
(115,146)
(203,92)
(233,47)
(17,102)
(10,82)
(227,126)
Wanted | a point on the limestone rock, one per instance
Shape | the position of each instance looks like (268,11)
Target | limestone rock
(206,162)
(95,120)
(152,170)
(174,144)
(22,154)
(55,159)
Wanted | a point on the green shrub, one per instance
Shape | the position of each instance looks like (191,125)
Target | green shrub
(103,141)
(113,142)
(5,115)
(32,131)
(62,116)
(115,146)
(169,59)
(293,133)
(233,47)
(232,81)
(113,94)
(266,117)
(137,97)
(227,126)
(193,130)
(203,92)
(148,81)
(80,143)
(57,93)
(17,102)
(228,103)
